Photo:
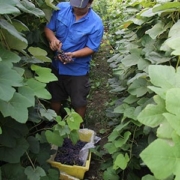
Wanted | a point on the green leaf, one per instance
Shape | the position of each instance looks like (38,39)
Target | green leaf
(156,30)
(13,171)
(130,99)
(157,154)
(174,30)
(173,101)
(43,155)
(159,91)
(121,161)
(121,108)
(38,89)
(33,144)
(143,64)
(13,155)
(160,78)
(132,59)
(74,136)
(147,13)
(174,121)
(110,147)
(173,43)
(50,4)
(9,57)
(74,120)
(36,173)
(63,129)
(121,127)
(151,115)
(165,130)
(48,114)
(11,131)
(122,140)
(28,94)
(167,7)
(44,74)
(39,54)
(53,174)
(16,108)
(157,58)
(54,138)
(138,87)
(110,174)
(29,7)
(149,177)
(7,8)
(12,35)
(8,78)
(114,134)
(36,51)
(0,130)
(19,25)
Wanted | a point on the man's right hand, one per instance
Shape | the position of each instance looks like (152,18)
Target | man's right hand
(55,45)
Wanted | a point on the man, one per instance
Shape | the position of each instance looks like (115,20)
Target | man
(77,30)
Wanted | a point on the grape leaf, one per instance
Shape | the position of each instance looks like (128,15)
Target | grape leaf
(13,155)
(54,137)
(36,173)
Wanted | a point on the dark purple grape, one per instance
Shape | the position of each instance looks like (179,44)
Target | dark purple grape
(68,153)
(63,57)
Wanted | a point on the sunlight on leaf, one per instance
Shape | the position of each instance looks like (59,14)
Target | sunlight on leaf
(152,115)
(29,7)
(44,74)
(163,153)
(54,138)
(165,130)
(74,120)
(173,121)
(173,101)
(50,4)
(38,89)
(149,177)
(121,161)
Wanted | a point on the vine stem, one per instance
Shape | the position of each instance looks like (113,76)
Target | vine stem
(132,142)
(2,37)
(30,160)
(43,129)
(178,62)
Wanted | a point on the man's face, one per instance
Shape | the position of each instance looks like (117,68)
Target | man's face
(81,11)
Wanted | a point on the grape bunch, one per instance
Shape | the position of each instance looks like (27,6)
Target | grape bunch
(63,57)
(68,153)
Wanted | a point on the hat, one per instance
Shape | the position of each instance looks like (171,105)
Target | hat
(79,3)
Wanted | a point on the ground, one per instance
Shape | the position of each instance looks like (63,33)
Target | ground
(97,103)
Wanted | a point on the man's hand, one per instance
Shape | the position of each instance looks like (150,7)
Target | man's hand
(64,57)
(55,44)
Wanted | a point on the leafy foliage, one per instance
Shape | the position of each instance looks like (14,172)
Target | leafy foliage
(145,64)
(27,126)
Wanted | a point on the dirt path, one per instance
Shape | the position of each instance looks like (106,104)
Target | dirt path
(97,103)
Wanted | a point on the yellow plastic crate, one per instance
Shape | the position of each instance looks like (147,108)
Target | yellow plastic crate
(85,135)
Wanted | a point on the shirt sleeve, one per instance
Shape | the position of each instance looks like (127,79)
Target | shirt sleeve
(95,38)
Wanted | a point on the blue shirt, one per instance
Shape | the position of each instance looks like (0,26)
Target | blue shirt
(75,35)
